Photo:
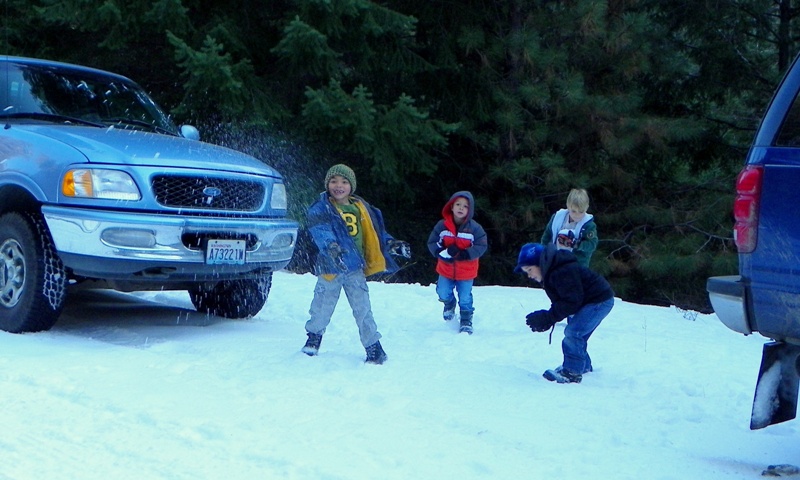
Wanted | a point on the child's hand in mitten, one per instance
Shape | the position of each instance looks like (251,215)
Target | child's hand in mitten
(399,248)
(539,321)
(334,250)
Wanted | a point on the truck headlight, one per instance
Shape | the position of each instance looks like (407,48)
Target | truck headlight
(278,199)
(99,183)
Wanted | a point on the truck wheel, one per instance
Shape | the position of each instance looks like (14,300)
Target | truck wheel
(32,278)
(232,298)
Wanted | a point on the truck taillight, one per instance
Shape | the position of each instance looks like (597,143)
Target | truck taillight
(745,208)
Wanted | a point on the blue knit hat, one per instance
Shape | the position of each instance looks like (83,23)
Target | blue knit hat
(529,255)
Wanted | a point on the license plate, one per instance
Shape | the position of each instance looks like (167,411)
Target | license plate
(225,252)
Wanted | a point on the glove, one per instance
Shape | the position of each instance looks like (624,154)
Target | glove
(399,248)
(566,239)
(539,321)
(451,252)
(336,253)
(334,250)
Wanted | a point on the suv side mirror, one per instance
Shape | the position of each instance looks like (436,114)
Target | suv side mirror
(190,132)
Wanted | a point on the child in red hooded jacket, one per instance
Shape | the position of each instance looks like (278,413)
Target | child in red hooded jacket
(457,241)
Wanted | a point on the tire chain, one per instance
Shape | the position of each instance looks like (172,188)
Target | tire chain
(55,280)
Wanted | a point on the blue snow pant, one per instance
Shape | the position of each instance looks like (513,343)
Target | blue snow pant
(444,288)
(576,335)
(326,295)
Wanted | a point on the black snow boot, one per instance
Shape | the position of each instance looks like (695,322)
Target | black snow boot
(562,376)
(449,311)
(312,344)
(466,322)
(375,354)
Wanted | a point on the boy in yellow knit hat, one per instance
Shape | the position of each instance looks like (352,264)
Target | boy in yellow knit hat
(353,244)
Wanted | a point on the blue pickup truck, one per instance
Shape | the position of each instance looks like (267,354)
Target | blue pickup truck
(99,189)
(765,297)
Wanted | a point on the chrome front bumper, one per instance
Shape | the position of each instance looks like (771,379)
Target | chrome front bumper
(154,239)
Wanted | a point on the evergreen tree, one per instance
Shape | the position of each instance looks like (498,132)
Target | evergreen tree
(352,61)
(608,96)
(642,102)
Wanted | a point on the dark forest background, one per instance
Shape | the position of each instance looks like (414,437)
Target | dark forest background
(649,105)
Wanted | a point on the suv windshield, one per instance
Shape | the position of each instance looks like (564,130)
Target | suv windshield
(65,95)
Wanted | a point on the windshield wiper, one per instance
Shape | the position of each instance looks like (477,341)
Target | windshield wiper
(51,117)
(138,123)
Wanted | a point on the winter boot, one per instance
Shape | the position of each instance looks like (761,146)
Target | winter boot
(375,354)
(585,371)
(312,344)
(562,376)
(466,322)
(449,311)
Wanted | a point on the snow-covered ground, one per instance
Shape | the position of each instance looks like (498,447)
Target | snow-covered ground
(139,386)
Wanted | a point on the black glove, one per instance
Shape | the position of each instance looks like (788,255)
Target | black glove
(539,321)
(336,253)
(334,250)
(399,248)
(457,253)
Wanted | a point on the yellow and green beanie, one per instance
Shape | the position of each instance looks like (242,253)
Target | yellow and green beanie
(344,171)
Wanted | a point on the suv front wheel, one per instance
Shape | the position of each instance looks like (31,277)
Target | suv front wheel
(232,298)
(32,277)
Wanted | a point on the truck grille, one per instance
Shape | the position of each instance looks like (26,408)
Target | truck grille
(208,193)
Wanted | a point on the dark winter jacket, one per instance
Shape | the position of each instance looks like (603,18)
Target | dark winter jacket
(467,242)
(585,237)
(337,250)
(570,286)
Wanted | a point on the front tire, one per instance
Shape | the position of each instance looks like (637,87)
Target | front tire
(33,280)
(232,298)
